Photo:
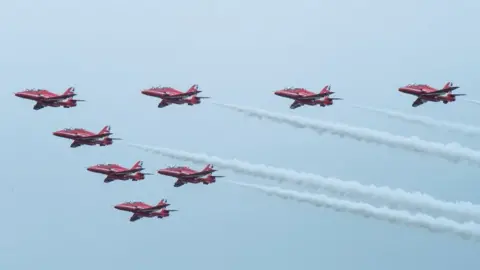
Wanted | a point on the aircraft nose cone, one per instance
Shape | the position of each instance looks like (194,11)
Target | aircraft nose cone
(17,94)
(117,207)
(56,133)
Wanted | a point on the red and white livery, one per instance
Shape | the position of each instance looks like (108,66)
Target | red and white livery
(141,209)
(186,175)
(170,95)
(45,98)
(425,93)
(302,96)
(117,172)
(81,136)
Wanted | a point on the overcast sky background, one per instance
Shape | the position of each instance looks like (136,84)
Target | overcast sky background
(57,215)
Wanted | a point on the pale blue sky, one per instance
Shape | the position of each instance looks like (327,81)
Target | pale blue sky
(57,215)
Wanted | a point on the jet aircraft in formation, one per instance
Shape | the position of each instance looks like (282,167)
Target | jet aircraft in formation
(302,96)
(81,136)
(141,209)
(168,96)
(425,93)
(45,98)
(186,175)
(117,172)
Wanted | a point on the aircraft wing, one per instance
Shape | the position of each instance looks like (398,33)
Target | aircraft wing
(135,217)
(151,209)
(178,96)
(164,103)
(38,106)
(193,175)
(315,96)
(92,137)
(437,93)
(419,101)
(295,105)
(125,172)
(53,99)
(179,183)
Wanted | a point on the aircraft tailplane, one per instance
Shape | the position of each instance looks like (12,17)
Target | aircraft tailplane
(208,167)
(193,88)
(325,89)
(448,85)
(104,130)
(137,165)
(69,91)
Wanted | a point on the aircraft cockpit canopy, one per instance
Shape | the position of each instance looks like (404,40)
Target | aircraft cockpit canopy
(176,167)
(132,202)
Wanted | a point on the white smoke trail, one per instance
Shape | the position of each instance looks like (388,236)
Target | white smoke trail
(467,230)
(417,199)
(426,121)
(473,101)
(452,152)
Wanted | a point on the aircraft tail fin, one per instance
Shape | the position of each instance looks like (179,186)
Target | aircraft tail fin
(208,168)
(326,91)
(448,85)
(137,165)
(193,88)
(69,91)
(105,130)
(162,202)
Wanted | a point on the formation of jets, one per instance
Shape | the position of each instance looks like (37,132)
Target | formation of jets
(300,96)
(168,95)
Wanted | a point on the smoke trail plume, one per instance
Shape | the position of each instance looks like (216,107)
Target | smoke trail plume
(473,101)
(452,152)
(417,199)
(465,230)
(426,121)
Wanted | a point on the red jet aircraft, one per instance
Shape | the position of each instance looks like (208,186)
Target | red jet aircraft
(426,93)
(117,172)
(81,136)
(141,210)
(186,175)
(304,97)
(170,95)
(45,98)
